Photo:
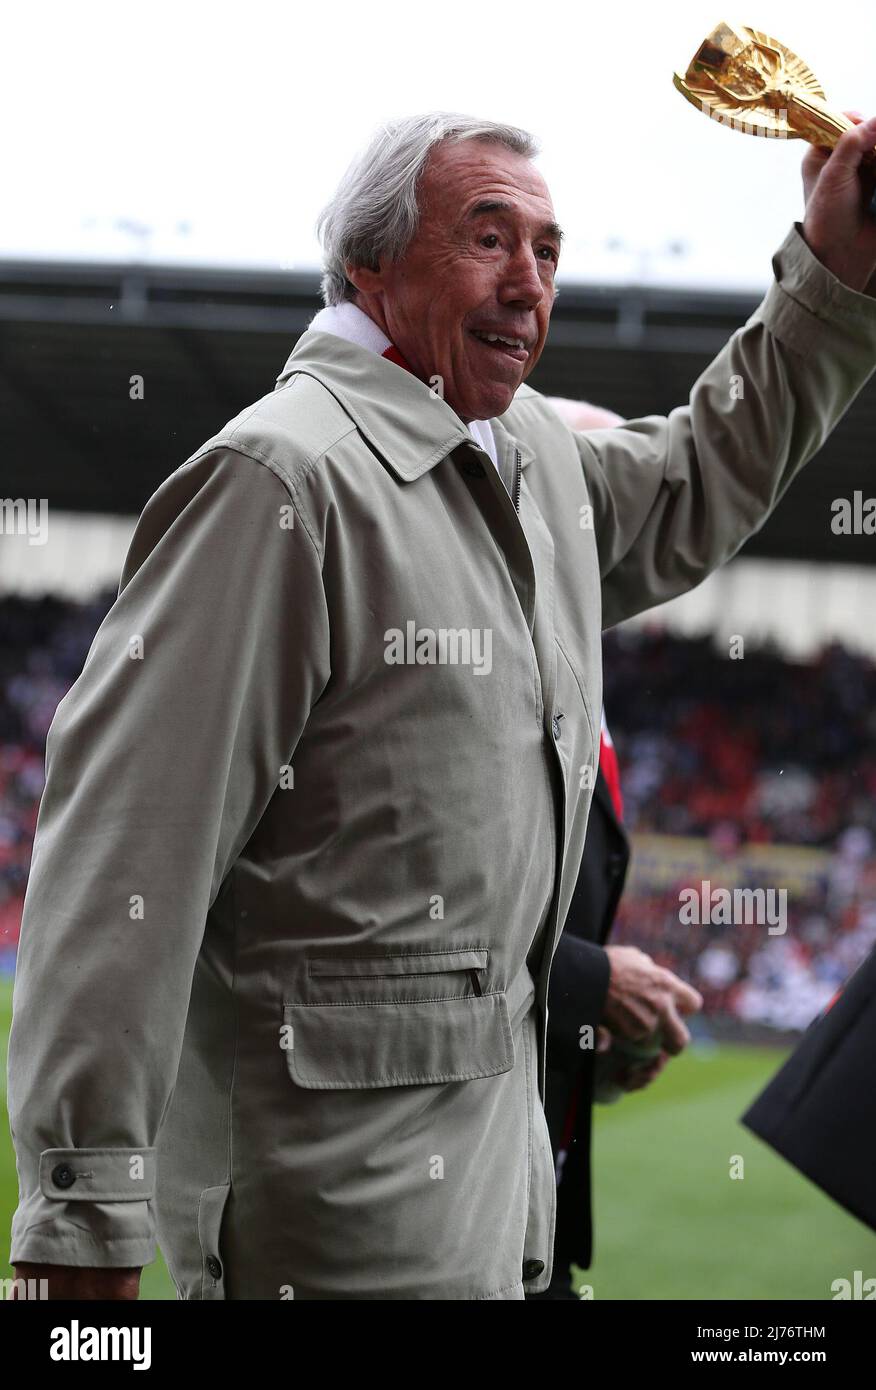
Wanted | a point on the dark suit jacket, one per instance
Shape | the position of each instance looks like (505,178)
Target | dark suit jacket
(579,983)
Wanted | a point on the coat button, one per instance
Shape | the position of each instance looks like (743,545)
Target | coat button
(63,1175)
(532,1268)
(214,1267)
(474,468)
(615,864)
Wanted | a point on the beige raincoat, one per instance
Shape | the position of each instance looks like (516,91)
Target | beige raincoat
(316,804)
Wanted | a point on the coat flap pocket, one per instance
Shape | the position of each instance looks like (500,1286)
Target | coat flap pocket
(334,1047)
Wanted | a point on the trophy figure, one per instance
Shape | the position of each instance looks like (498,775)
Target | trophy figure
(751,82)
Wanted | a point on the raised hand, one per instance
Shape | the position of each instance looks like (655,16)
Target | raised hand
(838,189)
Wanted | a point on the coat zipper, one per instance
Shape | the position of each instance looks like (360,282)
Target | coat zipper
(517,483)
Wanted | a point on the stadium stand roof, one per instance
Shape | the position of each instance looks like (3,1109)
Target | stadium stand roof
(209,341)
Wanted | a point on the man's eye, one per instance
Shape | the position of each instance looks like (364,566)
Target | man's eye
(551,253)
(491,236)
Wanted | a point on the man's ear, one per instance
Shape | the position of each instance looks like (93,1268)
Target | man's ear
(364,279)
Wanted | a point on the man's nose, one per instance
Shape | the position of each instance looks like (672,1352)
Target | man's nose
(521,281)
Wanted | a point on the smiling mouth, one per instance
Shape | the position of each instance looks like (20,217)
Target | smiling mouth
(506,347)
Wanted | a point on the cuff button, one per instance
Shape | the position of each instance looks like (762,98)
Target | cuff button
(532,1268)
(63,1175)
(214,1267)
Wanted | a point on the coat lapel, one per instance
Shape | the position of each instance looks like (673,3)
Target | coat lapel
(413,429)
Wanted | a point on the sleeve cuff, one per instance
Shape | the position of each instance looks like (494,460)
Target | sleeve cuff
(108,1223)
(580,976)
(805,296)
(63,1244)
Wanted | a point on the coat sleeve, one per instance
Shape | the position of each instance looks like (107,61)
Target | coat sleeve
(676,496)
(160,762)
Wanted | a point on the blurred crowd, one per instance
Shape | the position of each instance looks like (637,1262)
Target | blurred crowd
(752,751)
(43,645)
(757,751)
(779,981)
(773,750)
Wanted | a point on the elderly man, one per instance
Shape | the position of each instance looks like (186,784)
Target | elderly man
(315,806)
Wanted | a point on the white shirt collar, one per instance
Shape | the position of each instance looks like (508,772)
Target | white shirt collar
(348,321)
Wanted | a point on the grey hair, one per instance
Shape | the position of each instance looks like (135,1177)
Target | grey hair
(374,210)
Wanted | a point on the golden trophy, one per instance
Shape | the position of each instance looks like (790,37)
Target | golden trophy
(748,81)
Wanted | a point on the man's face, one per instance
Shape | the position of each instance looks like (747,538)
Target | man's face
(475,269)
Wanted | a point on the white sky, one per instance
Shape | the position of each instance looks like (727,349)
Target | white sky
(219,130)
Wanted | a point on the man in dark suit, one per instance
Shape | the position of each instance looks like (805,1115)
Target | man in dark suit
(598,992)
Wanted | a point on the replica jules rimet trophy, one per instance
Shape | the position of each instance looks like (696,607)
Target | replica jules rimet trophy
(752,83)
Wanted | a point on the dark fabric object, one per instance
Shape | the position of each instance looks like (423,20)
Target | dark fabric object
(819,1110)
(579,984)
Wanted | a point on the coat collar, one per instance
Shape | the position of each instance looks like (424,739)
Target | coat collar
(406,422)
